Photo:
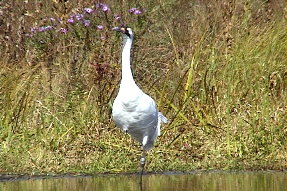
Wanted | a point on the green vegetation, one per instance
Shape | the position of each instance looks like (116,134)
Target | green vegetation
(216,69)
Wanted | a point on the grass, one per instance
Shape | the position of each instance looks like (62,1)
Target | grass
(217,71)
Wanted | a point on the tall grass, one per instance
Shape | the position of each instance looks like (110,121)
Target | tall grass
(216,69)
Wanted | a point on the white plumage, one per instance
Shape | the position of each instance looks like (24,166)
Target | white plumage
(134,111)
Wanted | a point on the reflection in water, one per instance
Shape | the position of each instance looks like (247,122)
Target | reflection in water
(174,182)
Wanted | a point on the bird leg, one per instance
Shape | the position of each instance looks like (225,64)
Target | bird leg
(142,160)
(142,163)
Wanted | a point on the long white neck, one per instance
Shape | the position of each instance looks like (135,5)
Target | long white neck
(127,77)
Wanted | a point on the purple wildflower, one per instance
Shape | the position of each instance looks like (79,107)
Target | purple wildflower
(103,7)
(87,23)
(117,17)
(79,16)
(103,38)
(41,29)
(88,10)
(45,28)
(71,20)
(34,29)
(100,27)
(63,30)
(132,10)
(135,11)
(52,19)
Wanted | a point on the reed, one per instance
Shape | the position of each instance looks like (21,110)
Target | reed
(216,69)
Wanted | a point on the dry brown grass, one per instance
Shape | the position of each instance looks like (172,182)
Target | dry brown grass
(217,70)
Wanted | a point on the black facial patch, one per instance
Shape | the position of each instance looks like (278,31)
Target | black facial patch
(126,32)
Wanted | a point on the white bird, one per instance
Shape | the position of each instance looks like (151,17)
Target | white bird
(134,111)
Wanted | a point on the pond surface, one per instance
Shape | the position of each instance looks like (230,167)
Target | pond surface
(209,181)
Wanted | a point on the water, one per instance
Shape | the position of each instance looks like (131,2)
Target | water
(233,181)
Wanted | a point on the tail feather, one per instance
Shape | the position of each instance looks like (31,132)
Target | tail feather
(161,118)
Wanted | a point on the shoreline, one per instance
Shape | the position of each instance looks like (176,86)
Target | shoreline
(24,177)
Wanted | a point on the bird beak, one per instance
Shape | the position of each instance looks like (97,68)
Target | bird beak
(118,29)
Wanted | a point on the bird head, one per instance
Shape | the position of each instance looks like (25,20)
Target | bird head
(126,31)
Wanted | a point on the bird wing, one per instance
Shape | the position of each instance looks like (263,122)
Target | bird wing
(136,113)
